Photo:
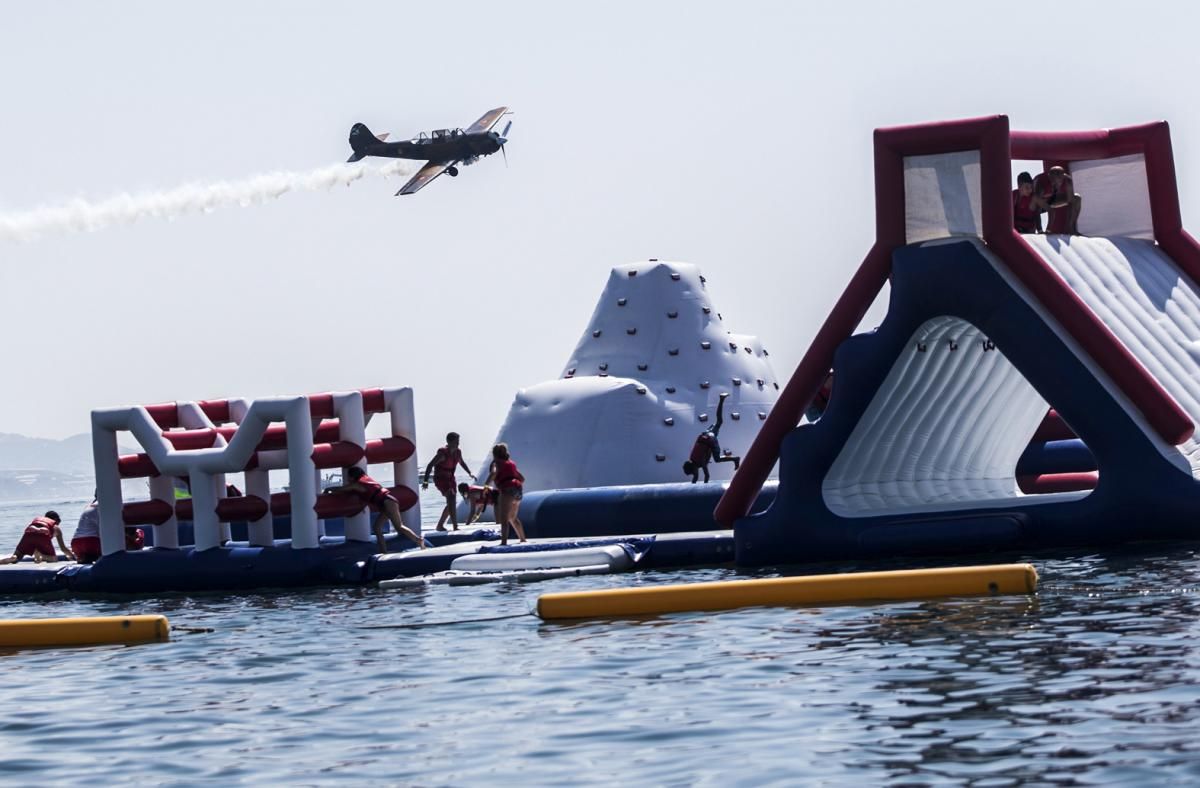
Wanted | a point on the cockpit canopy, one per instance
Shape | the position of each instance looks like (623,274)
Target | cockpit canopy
(438,135)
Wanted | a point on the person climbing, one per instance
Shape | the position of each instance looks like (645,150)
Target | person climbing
(37,540)
(379,499)
(1057,188)
(1028,206)
(443,465)
(707,448)
(509,486)
(479,497)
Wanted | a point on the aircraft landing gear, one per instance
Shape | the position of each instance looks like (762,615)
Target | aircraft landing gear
(452,172)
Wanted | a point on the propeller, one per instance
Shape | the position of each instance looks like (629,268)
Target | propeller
(504,140)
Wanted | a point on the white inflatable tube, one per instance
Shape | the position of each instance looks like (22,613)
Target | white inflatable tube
(454,578)
(612,556)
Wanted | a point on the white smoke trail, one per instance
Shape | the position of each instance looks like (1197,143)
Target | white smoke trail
(81,215)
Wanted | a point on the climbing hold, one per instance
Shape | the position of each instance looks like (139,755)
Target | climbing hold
(596,333)
(704,384)
(622,301)
(921,347)
(571,372)
(735,415)
(703,417)
(759,381)
(737,381)
(674,276)
(707,309)
(640,389)
(706,344)
(670,389)
(669,421)
(660,457)
(633,273)
(604,365)
(733,345)
(643,367)
(672,314)
(674,351)
(631,330)
(762,416)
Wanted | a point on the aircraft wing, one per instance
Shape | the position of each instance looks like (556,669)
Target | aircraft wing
(426,174)
(489,119)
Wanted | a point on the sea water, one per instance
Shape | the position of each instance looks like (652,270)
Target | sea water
(1094,679)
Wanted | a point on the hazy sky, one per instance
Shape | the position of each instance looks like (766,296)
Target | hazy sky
(733,136)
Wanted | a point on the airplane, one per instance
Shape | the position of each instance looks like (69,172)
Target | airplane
(442,150)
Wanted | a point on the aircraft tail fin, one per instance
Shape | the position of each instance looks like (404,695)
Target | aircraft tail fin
(360,138)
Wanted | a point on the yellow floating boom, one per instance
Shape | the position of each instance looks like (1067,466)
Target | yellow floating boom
(92,631)
(791,591)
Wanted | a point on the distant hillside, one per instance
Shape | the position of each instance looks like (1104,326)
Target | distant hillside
(43,469)
(71,455)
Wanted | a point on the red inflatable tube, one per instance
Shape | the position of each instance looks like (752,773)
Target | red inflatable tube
(394,449)
(146,512)
(341,454)
(1053,428)
(1058,482)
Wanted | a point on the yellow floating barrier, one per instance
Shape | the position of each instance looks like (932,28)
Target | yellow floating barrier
(791,591)
(92,631)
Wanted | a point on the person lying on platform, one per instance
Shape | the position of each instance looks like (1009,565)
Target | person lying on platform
(37,540)
(379,499)
(510,484)
(443,465)
(1056,187)
(479,497)
(1028,206)
(707,448)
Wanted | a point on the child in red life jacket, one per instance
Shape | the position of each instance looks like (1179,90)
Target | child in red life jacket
(479,497)
(379,499)
(37,541)
(443,465)
(707,448)
(1056,188)
(510,484)
(1028,206)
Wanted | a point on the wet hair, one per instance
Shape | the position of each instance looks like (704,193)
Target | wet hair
(689,467)
(500,451)
(355,472)
(1024,178)
(464,488)
(451,437)
(52,515)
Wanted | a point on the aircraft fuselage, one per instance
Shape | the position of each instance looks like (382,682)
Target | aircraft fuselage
(457,148)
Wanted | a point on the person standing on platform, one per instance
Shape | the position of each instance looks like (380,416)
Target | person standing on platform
(442,466)
(1057,188)
(509,485)
(1028,207)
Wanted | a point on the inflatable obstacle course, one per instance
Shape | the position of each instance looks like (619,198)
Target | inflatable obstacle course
(640,385)
(791,591)
(925,444)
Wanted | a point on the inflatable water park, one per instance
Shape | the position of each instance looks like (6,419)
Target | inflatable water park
(1023,391)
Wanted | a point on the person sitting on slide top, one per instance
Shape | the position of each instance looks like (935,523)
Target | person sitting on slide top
(509,486)
(1028,206)
(379,499)
(479,497)
(37,540)
(707,448)
(443,465)
(1056,187)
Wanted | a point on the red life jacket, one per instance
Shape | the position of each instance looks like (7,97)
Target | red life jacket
(1025,218)
(1059,217)
(376,493)
(479,494)
(702,449)
(449,463)
(42,527)
(506,476)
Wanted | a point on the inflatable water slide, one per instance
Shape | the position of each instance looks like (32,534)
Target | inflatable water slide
(996,346)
